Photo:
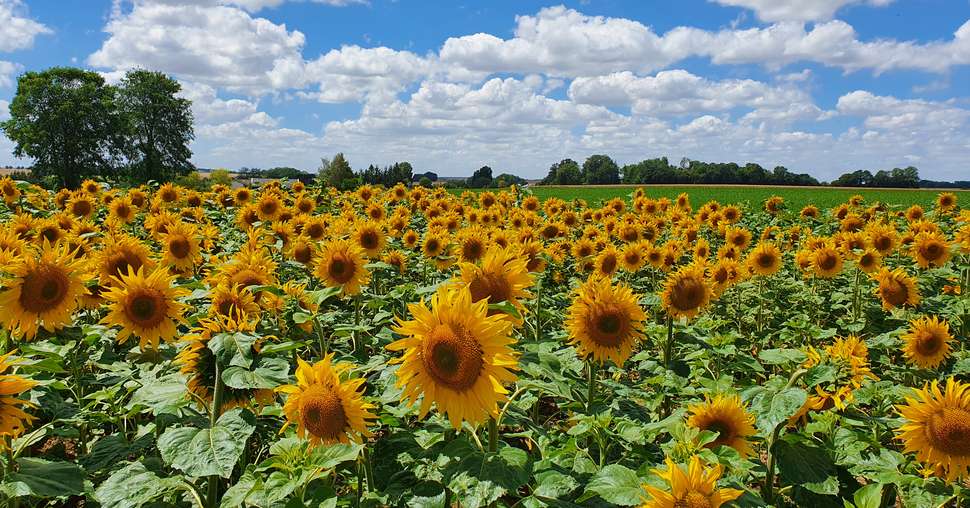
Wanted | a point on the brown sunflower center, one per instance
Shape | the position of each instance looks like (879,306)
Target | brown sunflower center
(894,292)
(81,208)
(608,264)
(226,306)
(609,326)
(931,250)
(169,195)
(687,293)
(268,207)
(453,357)
(472,250)
(146,308)
(724,432)
(493,286)
(928,343)
(341,268)
(302,253)
(369,240)
(827,261)
(882,243)
(323,415)
(43,289)
(179,247)
(693,499)
(765,259)
(315,231)
(949,430)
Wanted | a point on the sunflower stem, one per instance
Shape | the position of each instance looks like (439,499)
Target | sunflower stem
(856,306)
(538,327)
(668,347)
(369,470)
(767,492)
(492,435)
(215,411)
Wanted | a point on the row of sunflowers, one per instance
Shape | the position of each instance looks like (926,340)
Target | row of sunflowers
(300,346)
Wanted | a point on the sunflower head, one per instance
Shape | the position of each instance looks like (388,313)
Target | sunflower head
(686,292)
(605,321)
(896,288)
(937,428)
(13,419)
(456,356)
(502,276)
(727,416)
(340,263)
(145,306)
(694,488)
(826,262)
(927,343)
(765,259)
(930,249)
(326,404)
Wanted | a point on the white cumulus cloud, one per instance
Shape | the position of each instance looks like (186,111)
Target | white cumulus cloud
(798,10)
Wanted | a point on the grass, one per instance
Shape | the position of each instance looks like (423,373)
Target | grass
(795,197)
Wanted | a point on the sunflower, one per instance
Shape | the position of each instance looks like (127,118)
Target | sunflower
(433,244)
(122,209)
(44,292)
(228,299)
(397,259)
(121,253)
(502,276)
(869,260)
(605,321)
(930,249)
(146,306)
(728,417)
(826,262)
(631,257)
(410,239)
(180,246)
(809,211)
(472,247)
(13,419)
(724,274)
(764,259)
(456,356)
(896,289)
(937,426)
(81,206)
(686,292)
(607,261)
(340,263)
(946,201)
(369,236)
(694,488)
(927,342)
(198,362)
(269,207)
(739,238)
(324,408)
(9,190)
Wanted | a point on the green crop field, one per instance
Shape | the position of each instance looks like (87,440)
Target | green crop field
(795,197)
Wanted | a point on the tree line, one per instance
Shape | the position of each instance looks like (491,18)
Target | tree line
(74,125)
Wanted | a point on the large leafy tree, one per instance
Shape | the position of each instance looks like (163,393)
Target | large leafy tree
(599,169)
(337,172)
(66,119)
(158,124)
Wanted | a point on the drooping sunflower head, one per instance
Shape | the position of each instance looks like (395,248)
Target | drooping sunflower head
(937,428)
(686,292)
(326,404)
(694,488)
(340,263)
(927,343)
(896,289)
(502,276)
(455,355)
(145,306)
(397,259)
(44,291)
(605,321)
(728,417)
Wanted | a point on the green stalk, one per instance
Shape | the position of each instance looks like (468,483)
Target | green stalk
(538,327)
(369,470)
(214,413)
(668,348)
(591,370)
(768,490)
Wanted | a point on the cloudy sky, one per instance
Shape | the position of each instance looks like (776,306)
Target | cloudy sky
(819,86)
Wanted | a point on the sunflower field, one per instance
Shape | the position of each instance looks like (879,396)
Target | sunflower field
(291,345)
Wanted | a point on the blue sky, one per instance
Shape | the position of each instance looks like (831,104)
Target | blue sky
(819,86)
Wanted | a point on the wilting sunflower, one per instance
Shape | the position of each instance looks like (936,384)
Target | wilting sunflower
(340,263)
(686,292)
(605,321)
(180,246)
(930,249)
(44,291)
(145,306)
(456,356)
(937,426)
(765,259)
(927,342)
(694,488)
(13,419)
(198,362)
(325,409)
(896,289)
(826,262)
(727,416)
(502,276)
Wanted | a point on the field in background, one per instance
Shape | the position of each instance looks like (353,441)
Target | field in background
(795,197)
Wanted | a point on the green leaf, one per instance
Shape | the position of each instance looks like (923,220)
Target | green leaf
(133,486)
(233,349)
(781,356)
(162,395)
(807,466)
(616,484)
(270,373)
(869,496)
(821,374)
(42,478)
(774,407)
(209,451)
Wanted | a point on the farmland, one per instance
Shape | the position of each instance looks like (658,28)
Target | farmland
(288,345)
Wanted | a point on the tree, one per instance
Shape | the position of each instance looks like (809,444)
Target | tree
(66,119)
(506,179)
(564,172)
(481,179)
(158,126)
(600,169)
(338,173)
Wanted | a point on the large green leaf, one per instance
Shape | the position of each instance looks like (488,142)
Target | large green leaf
(163,395)
(270,373)
(616,484)
(806,465)
(233,349)
(208,451)
(773,408)
(42,478)
(133,486)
